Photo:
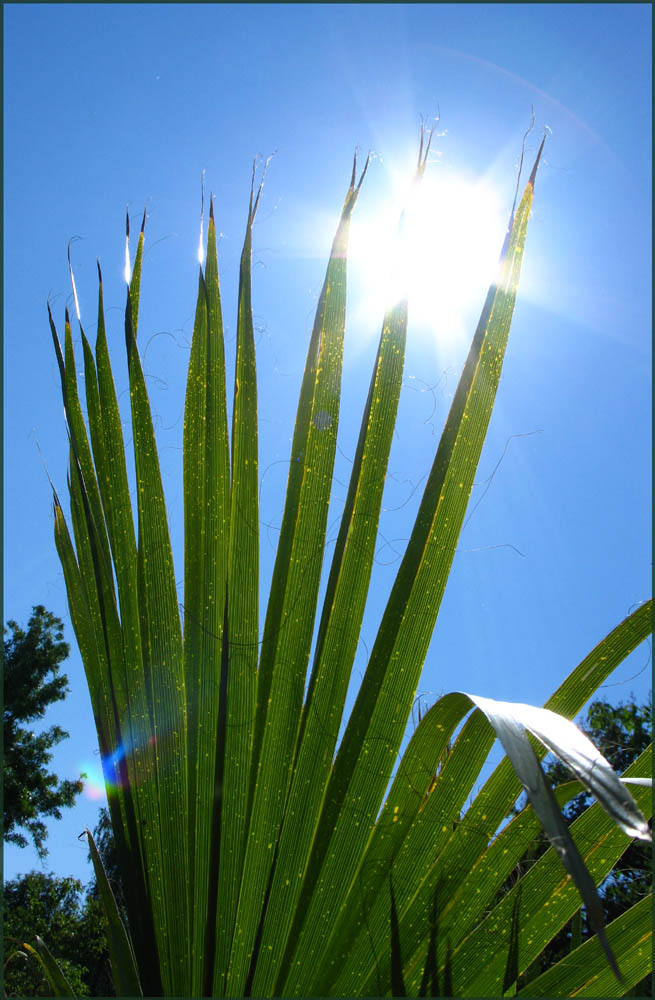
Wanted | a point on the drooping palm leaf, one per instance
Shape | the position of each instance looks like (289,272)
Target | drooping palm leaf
(549,898)
(437,847)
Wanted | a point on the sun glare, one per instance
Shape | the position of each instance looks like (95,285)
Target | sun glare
(443,254)
(201,248)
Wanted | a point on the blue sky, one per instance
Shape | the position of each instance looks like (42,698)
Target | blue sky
(108,105)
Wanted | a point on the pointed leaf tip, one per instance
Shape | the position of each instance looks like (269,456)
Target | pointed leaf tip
(127,222)
(99,271)
(253,208)
(363,173)
(354,171)
(143,222)
(427,148)
(424,148)
(211,208)
(252,205)
(52,969)
(536,163)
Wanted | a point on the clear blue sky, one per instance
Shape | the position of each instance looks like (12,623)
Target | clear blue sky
(108,105)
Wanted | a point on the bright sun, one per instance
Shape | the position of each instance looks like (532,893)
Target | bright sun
(444,256)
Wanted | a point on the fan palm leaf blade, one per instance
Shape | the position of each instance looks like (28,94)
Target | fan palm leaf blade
(240,684)
(207,491)
(54,974)
(549,899)
(260,864)
(161,642)
(294,590)
(584,971)
(338,635)
(469,840)
(123,964)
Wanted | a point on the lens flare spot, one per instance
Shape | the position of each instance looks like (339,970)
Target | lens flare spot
(201,251)
(321,420)
(94,783)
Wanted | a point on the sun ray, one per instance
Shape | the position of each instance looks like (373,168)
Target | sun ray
(444,255)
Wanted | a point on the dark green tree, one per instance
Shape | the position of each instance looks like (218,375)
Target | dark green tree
(71,925)
(32,681)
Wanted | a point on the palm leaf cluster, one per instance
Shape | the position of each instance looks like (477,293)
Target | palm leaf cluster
(262,855)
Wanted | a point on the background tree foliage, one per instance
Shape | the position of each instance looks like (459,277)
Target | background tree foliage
(70,920)
(32,682)
(73,925)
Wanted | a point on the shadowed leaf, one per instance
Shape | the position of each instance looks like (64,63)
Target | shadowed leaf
(60,985)
(430,980)
(397,981)
(123,963)
(512,968)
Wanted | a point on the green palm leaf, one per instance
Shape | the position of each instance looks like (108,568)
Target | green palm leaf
(549,898)
(60,985)
(239,679)
(162,652)
(255,861)
(440,850)
(368,750)
(585,973)
(123,962)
